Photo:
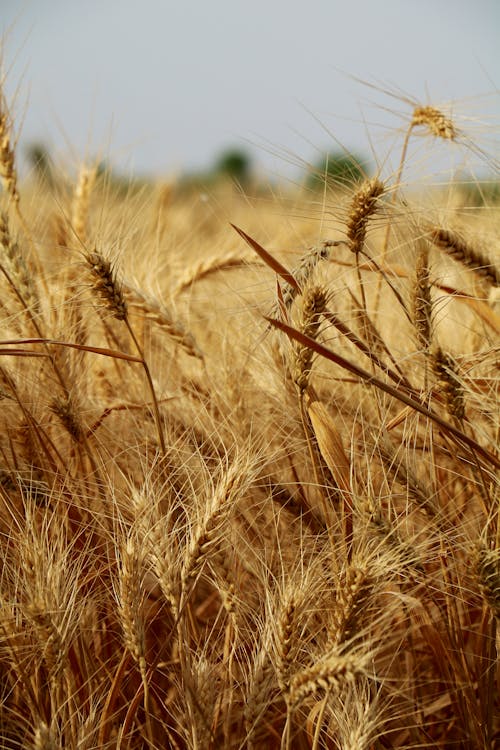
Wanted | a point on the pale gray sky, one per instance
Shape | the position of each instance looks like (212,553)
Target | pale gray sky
(163,85)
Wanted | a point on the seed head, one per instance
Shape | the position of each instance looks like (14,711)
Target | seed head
(363,205)
(106,285)
(7,166)
(438,124)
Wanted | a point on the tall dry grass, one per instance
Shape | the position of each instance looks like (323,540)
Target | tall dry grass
(249,482)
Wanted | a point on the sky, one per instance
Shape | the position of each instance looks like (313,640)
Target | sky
(164,86)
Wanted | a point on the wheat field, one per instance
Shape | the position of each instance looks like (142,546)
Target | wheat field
(249,474)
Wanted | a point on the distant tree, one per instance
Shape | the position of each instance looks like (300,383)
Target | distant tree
(235,164)
(39,159)
(337,168)
(482,191)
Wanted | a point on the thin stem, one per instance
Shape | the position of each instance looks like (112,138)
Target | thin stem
(393,200)
(286,737)
(156,409)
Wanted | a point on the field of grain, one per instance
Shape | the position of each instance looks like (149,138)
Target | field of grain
(249,474)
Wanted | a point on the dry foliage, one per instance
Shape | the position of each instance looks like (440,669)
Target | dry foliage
(247,499)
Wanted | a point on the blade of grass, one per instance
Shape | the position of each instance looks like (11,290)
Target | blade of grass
(274,264)
(22,353)
(81,347)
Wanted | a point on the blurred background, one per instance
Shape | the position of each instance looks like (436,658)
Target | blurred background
(163,87)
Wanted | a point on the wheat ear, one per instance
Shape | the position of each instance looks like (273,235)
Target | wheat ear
(435,121)
(8,175)
(130,600)
(16,271)
(65,409)
(445,369)
(105,285)
(488,575)
(158,313)
(159,544)
(209,266)
(421,297)
(7,159)
(207,533)
(45,737)
(130,603)
(81,201)
(287,638)
(313,303)
(303,271)
(461,251)
(259,685)
(329,674)
(363,206)
(354,590)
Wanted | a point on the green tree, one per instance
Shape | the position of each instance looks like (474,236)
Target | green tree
(39,159)
(337,168)
(235,164)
